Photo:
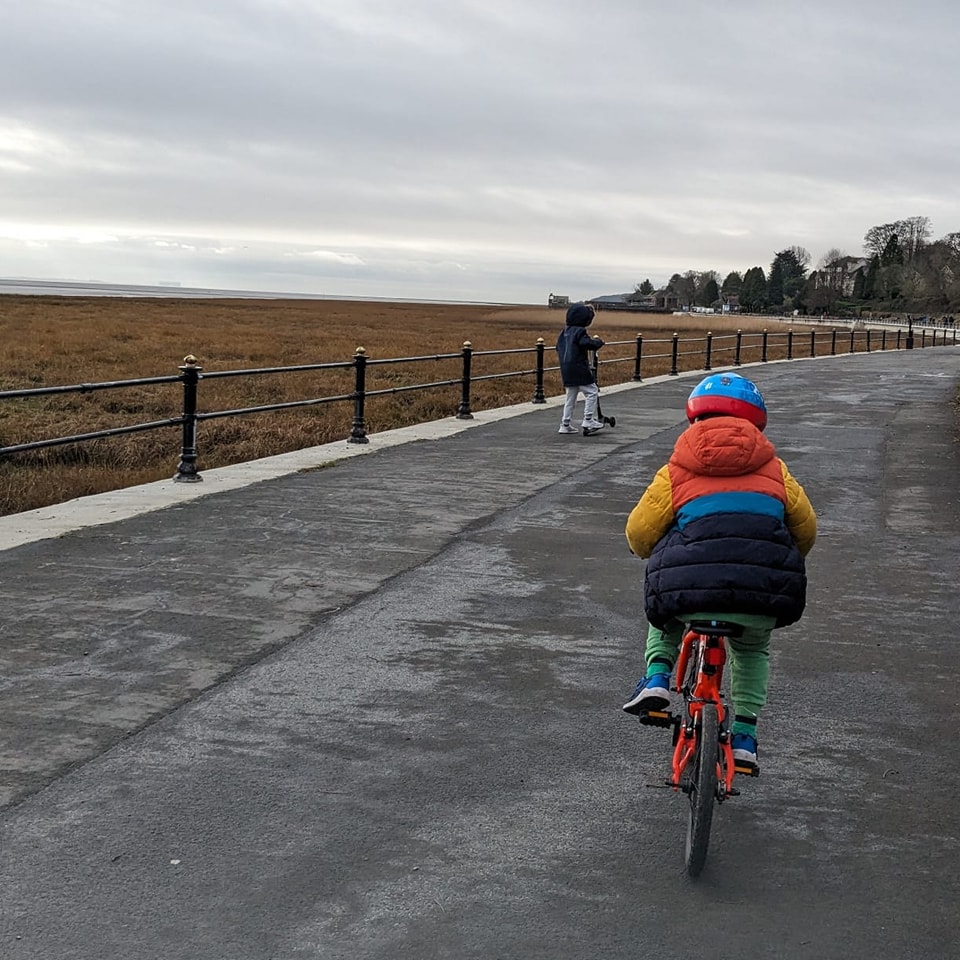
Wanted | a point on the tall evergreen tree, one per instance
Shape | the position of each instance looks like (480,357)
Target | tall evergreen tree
(892,254)
(859,284)
(753,290)
(788,273)
(775,284)
(732,283)
(871,279)
(711,293)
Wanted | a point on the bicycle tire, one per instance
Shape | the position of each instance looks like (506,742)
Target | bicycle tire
(686,683)
(703,791)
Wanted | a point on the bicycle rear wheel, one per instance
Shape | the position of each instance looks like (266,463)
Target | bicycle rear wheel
(703,791)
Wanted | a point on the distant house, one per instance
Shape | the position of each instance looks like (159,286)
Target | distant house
(555,300)
(645,301)
(841,274)
(667,300)
(658,302)
(611,301)
(731,303)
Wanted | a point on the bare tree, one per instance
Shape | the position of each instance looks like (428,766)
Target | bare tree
(803,257)
(875,240)
(830,282)
(913,233)
(952,240)
(831,257)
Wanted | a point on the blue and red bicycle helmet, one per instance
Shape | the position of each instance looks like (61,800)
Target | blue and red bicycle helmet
(728,395)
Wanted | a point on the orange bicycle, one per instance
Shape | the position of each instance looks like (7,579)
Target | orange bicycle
(703,764)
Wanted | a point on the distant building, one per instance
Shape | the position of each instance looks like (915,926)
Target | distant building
(660,301)
(841,274)
(555,300)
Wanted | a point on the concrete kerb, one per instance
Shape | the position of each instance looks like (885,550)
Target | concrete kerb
(55,521)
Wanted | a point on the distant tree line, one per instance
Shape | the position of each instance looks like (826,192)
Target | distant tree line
(901,270)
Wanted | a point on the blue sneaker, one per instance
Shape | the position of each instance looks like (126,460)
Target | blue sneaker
(652,693)
(744,749)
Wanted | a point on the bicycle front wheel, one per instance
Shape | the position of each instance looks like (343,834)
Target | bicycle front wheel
(703,790)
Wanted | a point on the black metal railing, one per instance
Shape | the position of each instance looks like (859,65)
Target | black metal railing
(670,354)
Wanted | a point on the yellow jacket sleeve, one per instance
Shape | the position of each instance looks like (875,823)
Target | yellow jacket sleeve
(801,519)
(651,518)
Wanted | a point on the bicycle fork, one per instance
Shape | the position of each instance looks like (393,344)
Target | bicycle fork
(686,739)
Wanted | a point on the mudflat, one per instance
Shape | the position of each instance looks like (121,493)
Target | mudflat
(50,341)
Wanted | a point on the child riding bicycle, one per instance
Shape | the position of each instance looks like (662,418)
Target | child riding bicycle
(726,528)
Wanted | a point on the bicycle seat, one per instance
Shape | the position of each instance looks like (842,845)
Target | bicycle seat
(716,628)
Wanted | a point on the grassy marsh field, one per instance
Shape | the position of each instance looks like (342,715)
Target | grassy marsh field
(55,341)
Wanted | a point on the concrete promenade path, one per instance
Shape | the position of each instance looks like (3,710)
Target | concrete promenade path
(363,701)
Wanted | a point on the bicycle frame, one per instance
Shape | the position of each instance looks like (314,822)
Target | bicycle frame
(699,673)
(702,764)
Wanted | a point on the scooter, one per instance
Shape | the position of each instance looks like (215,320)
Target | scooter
(606,421)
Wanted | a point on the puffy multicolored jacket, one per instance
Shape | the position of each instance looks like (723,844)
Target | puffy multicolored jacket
(725,527)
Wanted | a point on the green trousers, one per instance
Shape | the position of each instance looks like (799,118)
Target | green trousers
(748,662)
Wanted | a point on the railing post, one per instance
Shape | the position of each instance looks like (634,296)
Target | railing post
(638,358)
(538,396)
(706,362)
(883,339)
(358,433)
(763,353)
(833,343)
(923,337)
(868,339)
(813,343)
(675,354)
(909,334)
(463,411)
(789,344)
(736,355)
(899,332)
(187,468)
(852,334)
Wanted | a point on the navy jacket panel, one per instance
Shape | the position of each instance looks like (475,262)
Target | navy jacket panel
(573,345)
(730,563)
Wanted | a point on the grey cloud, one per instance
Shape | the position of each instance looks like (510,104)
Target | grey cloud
(525,139)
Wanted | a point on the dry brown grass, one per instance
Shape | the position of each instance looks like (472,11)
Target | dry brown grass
(53,341)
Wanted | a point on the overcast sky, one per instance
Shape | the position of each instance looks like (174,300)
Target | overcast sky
(493,150)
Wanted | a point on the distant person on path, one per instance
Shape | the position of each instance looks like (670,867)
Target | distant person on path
(573,346)
(726,529)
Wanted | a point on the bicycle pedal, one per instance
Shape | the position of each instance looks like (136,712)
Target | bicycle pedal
(656,718)
(746,770)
